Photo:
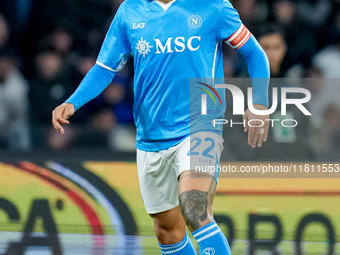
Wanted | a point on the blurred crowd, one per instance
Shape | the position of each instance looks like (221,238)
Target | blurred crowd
(47,46)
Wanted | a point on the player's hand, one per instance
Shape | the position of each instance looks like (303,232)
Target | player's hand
(60,116)
(256,135)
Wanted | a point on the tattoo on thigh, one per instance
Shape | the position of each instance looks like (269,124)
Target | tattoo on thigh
(194,207)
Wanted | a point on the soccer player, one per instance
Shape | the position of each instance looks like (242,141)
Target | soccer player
(171,42)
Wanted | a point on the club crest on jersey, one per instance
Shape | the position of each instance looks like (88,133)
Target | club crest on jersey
(195,21)
(143,47)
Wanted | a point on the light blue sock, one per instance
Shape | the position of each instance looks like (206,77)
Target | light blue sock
(211,240)
(184,247)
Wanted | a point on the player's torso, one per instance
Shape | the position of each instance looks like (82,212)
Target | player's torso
(186,28)
(169,47)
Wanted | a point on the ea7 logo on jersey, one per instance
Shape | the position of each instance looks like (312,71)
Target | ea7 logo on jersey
(138,25)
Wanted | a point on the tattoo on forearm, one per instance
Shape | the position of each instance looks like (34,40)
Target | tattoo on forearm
(194,206)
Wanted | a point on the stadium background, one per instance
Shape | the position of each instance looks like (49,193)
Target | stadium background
(47,46)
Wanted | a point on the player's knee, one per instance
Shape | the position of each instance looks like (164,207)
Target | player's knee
(194,208)
(162,234)
(167,233)
(169,227)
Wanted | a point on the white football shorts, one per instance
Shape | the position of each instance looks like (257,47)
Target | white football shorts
(158,172)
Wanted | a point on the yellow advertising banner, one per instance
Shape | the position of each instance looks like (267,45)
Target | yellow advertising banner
(103,199)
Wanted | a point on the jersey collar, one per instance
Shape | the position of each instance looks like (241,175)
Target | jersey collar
(165,6)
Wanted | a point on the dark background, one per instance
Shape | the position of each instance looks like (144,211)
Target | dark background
(47,46)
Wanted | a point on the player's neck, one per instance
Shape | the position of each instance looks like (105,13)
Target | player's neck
(165,1)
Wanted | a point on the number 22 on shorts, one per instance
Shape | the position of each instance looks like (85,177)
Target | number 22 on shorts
(208,145)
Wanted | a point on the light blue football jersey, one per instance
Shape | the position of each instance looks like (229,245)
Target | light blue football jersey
(170,45)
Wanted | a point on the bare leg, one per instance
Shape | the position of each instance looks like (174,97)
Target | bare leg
(169,226)
(196,196)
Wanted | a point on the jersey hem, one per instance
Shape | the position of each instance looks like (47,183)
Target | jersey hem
(165,147)
(161,147)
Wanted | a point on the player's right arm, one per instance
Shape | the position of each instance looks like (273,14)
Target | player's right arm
(113,55)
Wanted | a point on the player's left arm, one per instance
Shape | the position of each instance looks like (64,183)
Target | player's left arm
(236,35)
(259,72)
